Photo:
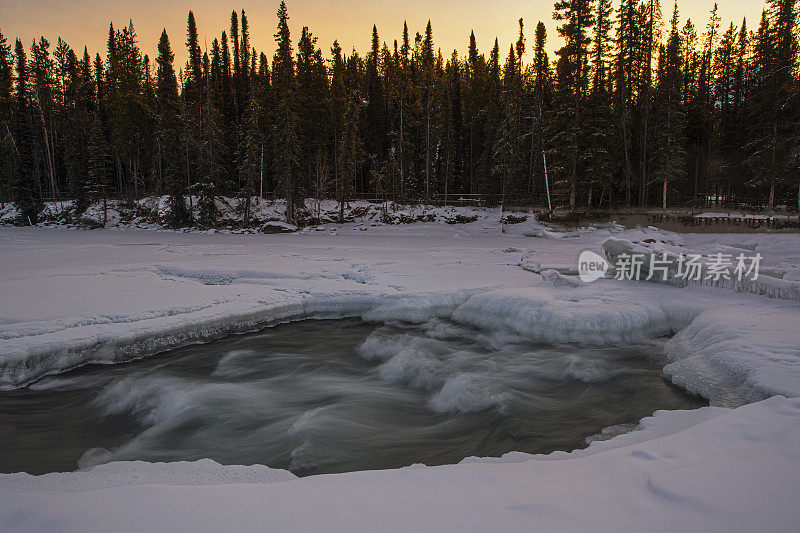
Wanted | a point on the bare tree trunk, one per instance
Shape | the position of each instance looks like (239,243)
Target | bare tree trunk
(261,182)
(546,180)
(188,179)
(136,176)
(628,171)
(648,66)
(402,142)
(771,205)
(572,178)
(47,151)
(531,160)
(119,170)
(427,152)
(160,175)
(473,185)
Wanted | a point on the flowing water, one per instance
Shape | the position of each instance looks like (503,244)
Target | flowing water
(333,396)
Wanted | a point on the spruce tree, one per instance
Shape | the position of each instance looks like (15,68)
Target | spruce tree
(620,118)
(600,138)
(168,130)
(669,165)
(375,128)
(428,100)
(212,162)
(351,151)
(244,61)
(6,107)
(541,98)
(774,106)
(27,189)
(195,70)
(249,157)
(286,136)
(573,81)
(312,106)
(338,100)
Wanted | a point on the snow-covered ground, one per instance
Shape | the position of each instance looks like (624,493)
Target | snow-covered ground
(152,213)
(71,297)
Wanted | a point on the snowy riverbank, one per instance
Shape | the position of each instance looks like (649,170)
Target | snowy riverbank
(70,297)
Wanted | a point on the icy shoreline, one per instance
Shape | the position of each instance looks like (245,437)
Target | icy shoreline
(727,369)
(52,353)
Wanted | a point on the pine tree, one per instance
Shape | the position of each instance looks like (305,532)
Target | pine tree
(6,108)
(626,74)
(475,78)
(26,184)
(453,136)
(249,156)
(722,151)
(74,124)
(650,17)
(508,154)
(312,106)
(168,132)
(351,150)
(244,49)
(622,118)
(237,66)
(669,166)
(774,108)
(576,17)
(375,128)
(124,106)
(285,134)
(540,103)
(195,70)
(338,99)
(192,103)
(212,162)
(600,136)
(98,162)
(42,87)
(428,99)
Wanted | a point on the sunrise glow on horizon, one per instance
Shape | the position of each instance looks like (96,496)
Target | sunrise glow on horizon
(348,21)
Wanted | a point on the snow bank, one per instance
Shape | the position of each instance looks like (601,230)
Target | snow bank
(552,315)
(127,473)
(266,216)
(737,355)
(9,213)
(417,308)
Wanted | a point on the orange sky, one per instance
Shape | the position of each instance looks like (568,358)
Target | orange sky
(350,21)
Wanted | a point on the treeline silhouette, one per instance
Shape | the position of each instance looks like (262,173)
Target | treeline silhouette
(635,110)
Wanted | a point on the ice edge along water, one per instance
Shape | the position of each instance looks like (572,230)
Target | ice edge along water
(730,362)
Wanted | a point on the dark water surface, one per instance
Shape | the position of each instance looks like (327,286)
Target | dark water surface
(333,396)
